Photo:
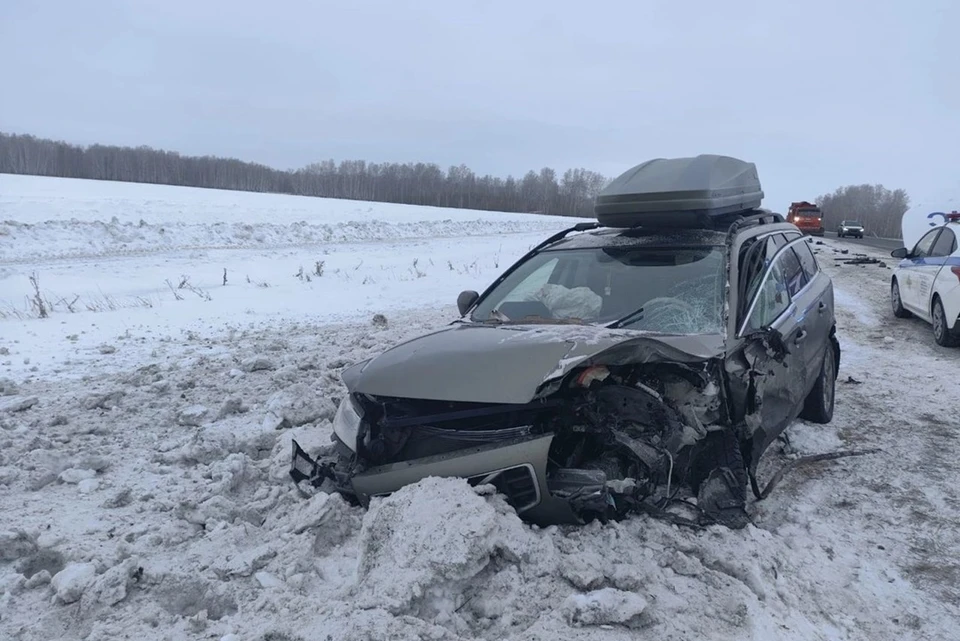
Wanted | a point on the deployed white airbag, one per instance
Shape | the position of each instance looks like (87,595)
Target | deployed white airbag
(579,302)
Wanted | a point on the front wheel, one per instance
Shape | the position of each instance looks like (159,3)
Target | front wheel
(818,408)
(896,302)
(944,336)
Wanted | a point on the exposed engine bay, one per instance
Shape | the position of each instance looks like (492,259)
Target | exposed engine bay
(606,442)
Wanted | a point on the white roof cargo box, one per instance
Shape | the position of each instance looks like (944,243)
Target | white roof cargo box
(679,192)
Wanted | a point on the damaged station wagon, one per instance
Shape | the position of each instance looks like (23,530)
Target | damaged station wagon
(639,363)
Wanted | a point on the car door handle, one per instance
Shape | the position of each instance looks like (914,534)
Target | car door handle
(801,335)
(822,307)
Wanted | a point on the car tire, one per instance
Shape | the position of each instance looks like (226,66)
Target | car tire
(896,302)
(944,336)
(818,407)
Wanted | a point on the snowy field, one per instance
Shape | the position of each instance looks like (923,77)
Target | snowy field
(160,254)
(143,481)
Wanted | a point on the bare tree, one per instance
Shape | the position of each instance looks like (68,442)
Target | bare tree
(878,208)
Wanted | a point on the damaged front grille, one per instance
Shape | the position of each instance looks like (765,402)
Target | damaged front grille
(474,436)
(518,485)
(408,429)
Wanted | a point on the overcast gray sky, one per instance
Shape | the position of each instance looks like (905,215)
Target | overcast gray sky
(819,93)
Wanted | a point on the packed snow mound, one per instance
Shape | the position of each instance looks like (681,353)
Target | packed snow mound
(70,582)
(806,439)
(606,606)
(416,560)
(83,239)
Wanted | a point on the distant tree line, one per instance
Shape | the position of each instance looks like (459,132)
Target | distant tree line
(879,209)
(571,194)
(544,192)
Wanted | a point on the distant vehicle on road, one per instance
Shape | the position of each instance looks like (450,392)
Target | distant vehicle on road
(807,217)
(850,228)
(926,283)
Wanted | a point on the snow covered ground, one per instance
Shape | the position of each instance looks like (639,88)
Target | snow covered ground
(143,480)
(161,255)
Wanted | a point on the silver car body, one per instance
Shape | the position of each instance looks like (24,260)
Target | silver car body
(514,366)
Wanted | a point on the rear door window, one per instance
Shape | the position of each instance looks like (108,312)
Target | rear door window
(794,277)
(807,260)
(946,244)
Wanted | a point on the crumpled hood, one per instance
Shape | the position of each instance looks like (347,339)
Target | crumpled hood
(509,363)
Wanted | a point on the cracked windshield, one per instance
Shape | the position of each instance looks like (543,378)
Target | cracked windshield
(664,290)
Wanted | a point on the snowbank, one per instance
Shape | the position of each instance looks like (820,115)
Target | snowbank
(81,239)
(37,199)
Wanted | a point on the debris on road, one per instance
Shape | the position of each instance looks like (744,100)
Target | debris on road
(860,260)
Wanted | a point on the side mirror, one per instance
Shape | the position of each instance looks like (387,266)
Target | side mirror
(900,252)
(465,300)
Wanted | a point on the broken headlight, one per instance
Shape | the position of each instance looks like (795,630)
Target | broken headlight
(346,423)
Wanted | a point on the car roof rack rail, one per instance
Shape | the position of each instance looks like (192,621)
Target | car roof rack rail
(756,217)
(585,226)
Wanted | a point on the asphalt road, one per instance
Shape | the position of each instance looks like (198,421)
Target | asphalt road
(888,244)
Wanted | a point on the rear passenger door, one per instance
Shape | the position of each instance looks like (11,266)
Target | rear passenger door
(815,306)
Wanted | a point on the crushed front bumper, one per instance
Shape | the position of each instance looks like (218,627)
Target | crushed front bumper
(517,468)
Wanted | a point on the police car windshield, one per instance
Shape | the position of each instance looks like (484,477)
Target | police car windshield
(666,290)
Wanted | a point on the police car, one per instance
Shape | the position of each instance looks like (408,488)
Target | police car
(926,282)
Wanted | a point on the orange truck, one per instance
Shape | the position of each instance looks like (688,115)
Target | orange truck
(807,217)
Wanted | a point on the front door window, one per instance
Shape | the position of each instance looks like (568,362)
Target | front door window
(924,245)
(771,300)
